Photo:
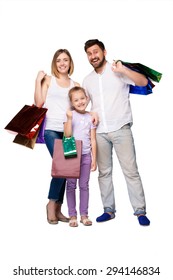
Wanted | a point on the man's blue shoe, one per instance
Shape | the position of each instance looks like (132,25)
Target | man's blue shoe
(105,217)
(143,220)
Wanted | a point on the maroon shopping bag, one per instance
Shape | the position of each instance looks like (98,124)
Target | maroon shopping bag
(27,120)
(65,167)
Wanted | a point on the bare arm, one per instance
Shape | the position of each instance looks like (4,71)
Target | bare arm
(138,78)
(76,84)
(68,125)
(95,118)
(94,115)
(41,86)
(93,149)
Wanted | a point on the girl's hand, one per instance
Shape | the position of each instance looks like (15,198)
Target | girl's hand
(69,114)
(93,166)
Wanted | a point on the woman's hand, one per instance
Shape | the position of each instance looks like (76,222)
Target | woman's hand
(40,76)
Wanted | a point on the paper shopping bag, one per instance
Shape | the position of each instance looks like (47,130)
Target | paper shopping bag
(25,141)
(63,167)
(27,120)
(143,69)
(69,146)
(40,137)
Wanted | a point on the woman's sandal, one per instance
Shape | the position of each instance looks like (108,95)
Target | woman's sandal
(63,219)
(60,216)
(86,222)
(51,221)
(73,223)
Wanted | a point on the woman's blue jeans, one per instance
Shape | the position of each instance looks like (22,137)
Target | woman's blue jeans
(57,185)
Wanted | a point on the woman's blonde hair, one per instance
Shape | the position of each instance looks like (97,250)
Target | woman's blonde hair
(54,70)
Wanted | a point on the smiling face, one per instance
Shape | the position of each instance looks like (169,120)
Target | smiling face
(96,56)
(79,100)
(63,63)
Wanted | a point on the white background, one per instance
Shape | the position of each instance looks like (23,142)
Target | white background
(135,31)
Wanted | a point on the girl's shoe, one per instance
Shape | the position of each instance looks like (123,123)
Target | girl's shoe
(85,221)
(73,222)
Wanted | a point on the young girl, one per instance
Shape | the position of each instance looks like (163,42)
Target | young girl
(79,124)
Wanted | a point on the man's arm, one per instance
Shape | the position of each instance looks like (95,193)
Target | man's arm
(138,78)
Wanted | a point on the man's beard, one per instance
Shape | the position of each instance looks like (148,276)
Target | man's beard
(101,63)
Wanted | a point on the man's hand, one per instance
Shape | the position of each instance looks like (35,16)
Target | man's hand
(117,66)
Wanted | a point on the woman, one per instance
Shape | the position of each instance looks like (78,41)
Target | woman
(52,93)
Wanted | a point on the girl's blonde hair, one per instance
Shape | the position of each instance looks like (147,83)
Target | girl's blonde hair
(74,89)
(54,70)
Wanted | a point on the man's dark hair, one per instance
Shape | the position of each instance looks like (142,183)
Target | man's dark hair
(93,42)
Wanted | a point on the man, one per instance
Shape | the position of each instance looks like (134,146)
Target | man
(108,89)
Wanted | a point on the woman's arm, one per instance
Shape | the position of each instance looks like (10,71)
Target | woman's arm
(41,86)
(76,84)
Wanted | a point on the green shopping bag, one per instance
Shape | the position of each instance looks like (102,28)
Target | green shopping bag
(147,71)
(69,147)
